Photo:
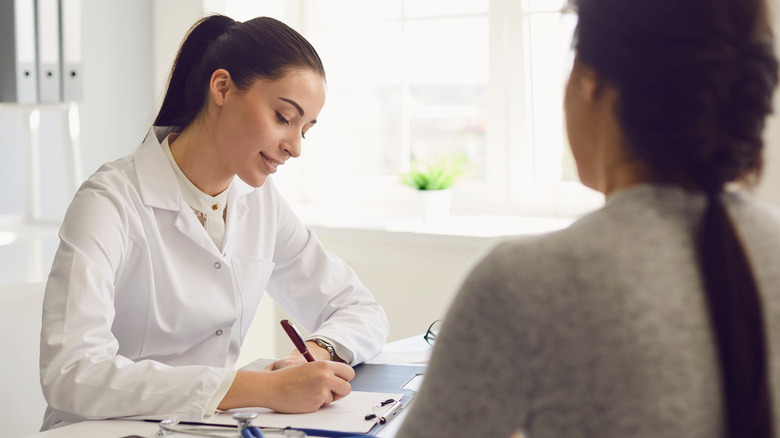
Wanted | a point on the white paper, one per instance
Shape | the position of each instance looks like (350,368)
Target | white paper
(401,357)
(415,383)
(345,415)
(411,351)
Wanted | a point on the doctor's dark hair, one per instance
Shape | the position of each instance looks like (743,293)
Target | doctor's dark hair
(259,48)
(695,80)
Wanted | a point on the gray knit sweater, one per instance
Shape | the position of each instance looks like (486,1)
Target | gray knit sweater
(598,330)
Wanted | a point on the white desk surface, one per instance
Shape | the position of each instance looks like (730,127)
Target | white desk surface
(414,346)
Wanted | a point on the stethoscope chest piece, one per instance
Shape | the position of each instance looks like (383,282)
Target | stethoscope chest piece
(245,428)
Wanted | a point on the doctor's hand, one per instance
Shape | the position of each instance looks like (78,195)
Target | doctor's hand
(296,358)
(295,389)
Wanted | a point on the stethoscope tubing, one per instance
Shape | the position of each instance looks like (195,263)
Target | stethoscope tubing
(333,433)
(309,432)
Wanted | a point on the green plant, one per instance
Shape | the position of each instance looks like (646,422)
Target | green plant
(437,175)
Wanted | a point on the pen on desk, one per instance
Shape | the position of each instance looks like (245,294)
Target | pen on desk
(371,415)
(384,418)
(297,339)
(391,412)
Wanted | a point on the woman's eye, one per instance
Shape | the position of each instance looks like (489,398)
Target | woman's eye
(281,118)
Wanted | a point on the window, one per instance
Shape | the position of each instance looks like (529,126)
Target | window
(418,79)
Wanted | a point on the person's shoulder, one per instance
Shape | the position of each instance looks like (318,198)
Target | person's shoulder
(752,205)
(757,219)
(114,171)
(590,247)
(114,183)
(583,232)
(534,258)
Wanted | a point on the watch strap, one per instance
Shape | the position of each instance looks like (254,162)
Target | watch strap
(329,347)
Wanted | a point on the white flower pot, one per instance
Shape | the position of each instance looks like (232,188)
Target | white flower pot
(435,204)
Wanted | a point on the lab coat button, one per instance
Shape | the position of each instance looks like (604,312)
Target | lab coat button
(219,332)
(217,265)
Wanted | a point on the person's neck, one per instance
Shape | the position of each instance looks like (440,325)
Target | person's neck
(197,155)
(634,172)
(627,174)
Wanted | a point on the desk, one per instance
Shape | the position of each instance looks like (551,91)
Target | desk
(415,347)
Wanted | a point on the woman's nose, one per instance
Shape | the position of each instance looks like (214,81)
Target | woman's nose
(293,147)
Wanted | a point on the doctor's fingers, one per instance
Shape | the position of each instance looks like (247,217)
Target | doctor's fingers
(336,390)
(342,370)
(311,386)
(340,392)
(286,362)
(340,386)
(333,379)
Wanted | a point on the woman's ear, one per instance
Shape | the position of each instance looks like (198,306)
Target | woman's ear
(589,85)
(219,86)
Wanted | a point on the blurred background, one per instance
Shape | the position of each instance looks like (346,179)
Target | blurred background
(409,81)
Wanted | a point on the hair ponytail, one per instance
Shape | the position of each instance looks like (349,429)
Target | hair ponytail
(181,105)
(738,322)
(259,48)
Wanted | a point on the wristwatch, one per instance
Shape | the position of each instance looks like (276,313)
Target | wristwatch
(326,345)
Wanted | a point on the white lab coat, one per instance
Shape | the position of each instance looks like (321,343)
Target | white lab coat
(143,315)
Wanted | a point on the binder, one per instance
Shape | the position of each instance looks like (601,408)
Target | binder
(18,65)
(72,48)
(385,377)
(49,67)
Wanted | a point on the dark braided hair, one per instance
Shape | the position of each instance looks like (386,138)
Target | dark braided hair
(259,48)
(695,80)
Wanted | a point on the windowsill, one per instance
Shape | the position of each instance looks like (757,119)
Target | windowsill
(482,227)
(383,206)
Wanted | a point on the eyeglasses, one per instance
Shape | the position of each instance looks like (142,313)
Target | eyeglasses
(432,332)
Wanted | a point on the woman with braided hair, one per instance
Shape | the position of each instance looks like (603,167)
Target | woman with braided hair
(659,314)
(165,254)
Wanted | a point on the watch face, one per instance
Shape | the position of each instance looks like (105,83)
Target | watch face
(328,347)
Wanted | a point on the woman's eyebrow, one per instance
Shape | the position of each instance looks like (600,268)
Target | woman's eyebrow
(293,103)
(297,107)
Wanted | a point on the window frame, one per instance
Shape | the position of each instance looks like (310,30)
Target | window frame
(510,187)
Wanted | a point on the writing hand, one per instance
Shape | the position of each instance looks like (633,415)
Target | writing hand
(295,358)
(294,389)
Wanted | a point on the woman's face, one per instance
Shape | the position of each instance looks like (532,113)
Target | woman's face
(260,128)
(579,125)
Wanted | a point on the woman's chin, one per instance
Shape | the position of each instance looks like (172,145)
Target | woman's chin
(255,181)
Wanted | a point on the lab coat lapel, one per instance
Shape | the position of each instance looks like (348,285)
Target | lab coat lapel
(160,189)
(156,180)
(190,226)
(236,211)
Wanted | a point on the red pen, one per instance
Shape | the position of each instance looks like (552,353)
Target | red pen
(297,339)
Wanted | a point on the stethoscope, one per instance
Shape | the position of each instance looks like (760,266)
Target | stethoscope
(246,429)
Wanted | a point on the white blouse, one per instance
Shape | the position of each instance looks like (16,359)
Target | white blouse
(210,210)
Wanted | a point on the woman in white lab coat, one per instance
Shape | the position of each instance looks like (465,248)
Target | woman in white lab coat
(165,254)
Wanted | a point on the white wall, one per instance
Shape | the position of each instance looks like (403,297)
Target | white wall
(770,185)
(413,276)
(118,93)
(115,110)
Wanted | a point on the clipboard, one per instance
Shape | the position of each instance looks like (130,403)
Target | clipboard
(387,378)
(347,415)
(375,378)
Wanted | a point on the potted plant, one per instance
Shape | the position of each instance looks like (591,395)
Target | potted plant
(433,181)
